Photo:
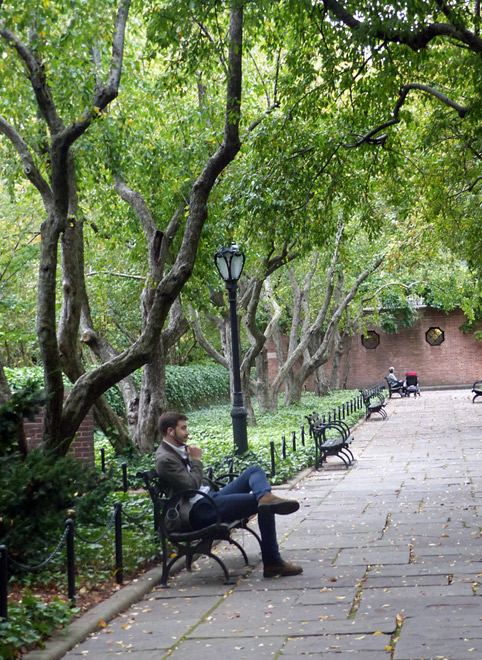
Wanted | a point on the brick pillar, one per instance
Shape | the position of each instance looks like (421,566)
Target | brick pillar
(81,448)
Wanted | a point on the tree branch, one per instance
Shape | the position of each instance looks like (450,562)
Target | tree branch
(114,274)
(416,39)
(402,97)
(203,341)
(29,167)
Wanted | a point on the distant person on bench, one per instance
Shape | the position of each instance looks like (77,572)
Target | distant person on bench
(393,380)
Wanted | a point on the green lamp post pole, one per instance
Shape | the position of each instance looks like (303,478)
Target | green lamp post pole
(230,263)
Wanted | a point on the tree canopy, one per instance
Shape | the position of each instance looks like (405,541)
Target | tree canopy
(137,137)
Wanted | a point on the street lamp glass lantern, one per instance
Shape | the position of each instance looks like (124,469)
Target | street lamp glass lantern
(229,262)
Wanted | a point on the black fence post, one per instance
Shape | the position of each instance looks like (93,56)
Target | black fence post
(293,440)
(283,446)
(157,518)
(303,436)
(69,524)
(273,462)
(119,574)
(102,459)
(125,483)
(3,583)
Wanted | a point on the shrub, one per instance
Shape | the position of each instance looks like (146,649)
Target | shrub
(187,387)
(31,621)
(40,491)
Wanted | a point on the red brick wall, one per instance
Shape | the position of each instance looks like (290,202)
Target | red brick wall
(83,445)
(457,361)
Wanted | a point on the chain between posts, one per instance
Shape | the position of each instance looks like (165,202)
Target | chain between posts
(68,538)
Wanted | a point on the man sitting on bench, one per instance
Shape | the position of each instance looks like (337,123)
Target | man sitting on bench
(395,384)
(179,465)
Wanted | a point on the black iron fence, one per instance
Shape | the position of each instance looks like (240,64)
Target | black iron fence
(341,412)
(67,540)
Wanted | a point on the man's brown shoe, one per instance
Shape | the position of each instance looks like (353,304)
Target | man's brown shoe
(283,569)
(274,504)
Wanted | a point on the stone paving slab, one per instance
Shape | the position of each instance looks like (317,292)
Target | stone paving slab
(340,645)
(148,625)
(239,648)
(391,544)
(440,639)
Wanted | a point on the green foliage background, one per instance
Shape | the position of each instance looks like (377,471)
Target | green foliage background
(187,387)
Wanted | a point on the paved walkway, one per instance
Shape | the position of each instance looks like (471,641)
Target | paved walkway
(391,551)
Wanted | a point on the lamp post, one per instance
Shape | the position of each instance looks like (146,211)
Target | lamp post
(230,262)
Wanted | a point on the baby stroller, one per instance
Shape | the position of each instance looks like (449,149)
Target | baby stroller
(411,384)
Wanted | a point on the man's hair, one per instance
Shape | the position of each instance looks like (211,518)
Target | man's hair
(169,420)
(391,369)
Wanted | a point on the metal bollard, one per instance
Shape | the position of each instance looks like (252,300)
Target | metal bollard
(102,460)
(70,548)
(273,462)
(125,483)
(283,446)
(119,573)
(293,440)
(3,583)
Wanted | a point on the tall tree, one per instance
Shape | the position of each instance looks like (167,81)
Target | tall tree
(50,166)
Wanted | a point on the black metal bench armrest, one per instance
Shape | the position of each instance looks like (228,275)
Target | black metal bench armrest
(313,420)
(171,524)
(216,482)
(334,445)
(477,389)
(343,428)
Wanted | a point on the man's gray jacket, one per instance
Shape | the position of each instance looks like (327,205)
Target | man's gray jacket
(174,475)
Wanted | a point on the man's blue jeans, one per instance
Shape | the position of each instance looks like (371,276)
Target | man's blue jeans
(239,499)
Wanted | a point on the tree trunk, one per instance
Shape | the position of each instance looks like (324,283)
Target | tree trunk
(110,423)
(265,401)
(321,381)
(76,310)
(152,402)
(335,361)
(49,349)
(347,346)
(5,392)
(153,399)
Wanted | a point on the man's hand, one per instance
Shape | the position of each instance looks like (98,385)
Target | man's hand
(194,452)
